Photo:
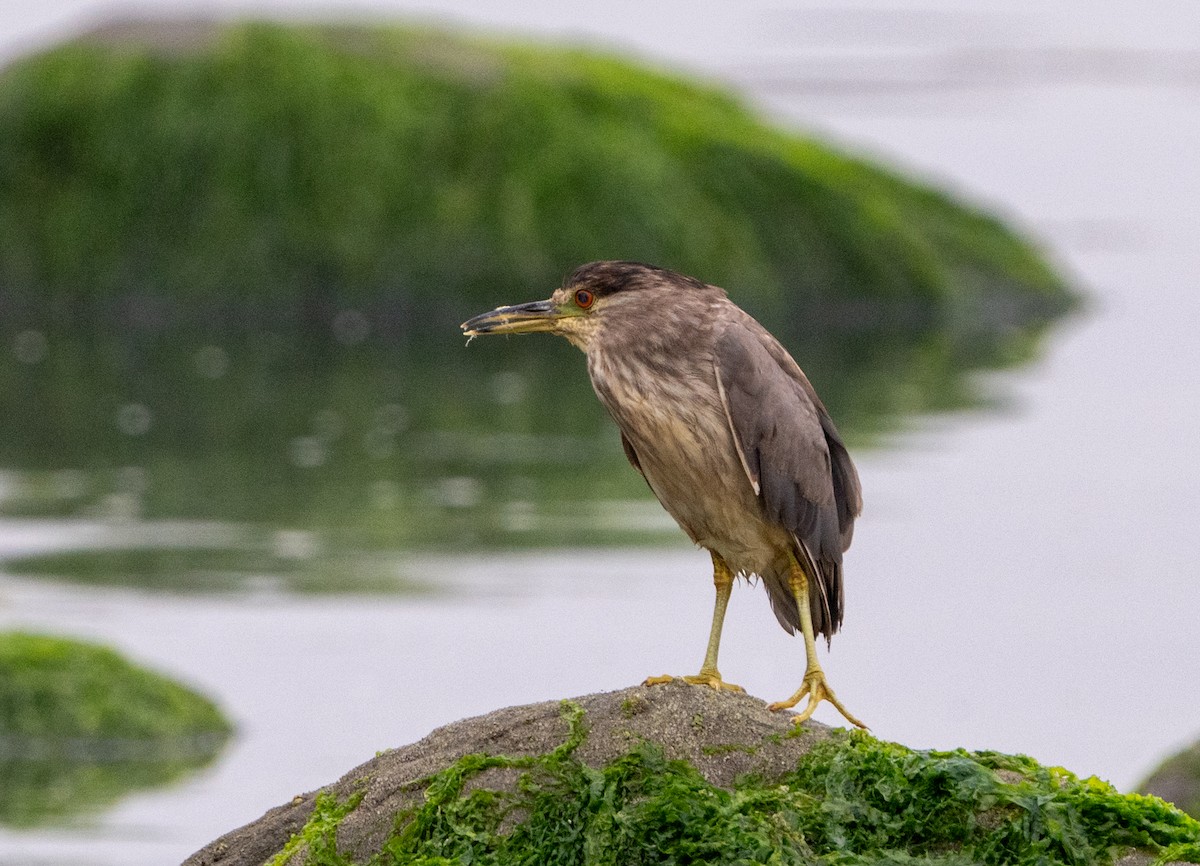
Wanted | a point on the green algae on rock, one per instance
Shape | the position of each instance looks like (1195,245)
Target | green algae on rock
(617,789)
(80,727)
(857,799)
(264,169)
(54,689)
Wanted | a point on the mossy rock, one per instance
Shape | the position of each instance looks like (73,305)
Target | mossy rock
(80,727)
(57,690)
(259,173)
(1177,780)
(680,774)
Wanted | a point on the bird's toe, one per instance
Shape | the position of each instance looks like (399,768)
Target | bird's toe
(713,681)
(704,678)
(658,681)
(817,690)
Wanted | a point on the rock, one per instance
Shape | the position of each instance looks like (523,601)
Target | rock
(1177,780)
(694,775)
(722,734)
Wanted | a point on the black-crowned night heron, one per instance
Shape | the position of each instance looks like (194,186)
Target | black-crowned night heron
(728,433)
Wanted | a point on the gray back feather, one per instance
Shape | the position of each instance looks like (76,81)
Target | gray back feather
(795,459)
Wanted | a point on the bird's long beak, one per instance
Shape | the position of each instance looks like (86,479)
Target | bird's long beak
(519,319)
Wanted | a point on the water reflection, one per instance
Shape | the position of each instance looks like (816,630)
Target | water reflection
(324,451)
(54,783)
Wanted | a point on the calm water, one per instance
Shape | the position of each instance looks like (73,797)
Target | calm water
(1023,578)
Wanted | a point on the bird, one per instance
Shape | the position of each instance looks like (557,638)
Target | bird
(729,435)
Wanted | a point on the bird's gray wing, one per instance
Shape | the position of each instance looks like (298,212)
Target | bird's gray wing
(792,455)
(847,490)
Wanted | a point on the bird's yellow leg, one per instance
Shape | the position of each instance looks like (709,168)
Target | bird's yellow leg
(814,684)
(709,675)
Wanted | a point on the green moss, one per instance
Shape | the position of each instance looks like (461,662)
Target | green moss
(1180,852)
(80,727)
(994,808)
(630,707)
(277,170)
(53,689)
(319,835)
(854,799)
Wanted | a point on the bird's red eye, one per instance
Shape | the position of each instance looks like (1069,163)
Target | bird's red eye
(584,299)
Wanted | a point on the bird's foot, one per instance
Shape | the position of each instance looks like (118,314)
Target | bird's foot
(658,681)
(818,690)
(712,680)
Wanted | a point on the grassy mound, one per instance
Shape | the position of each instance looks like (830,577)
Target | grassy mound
(852,799)
(260,172)
(55,690)
(80,728)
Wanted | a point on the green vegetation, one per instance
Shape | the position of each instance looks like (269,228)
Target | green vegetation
(282,171)
(53,688)
(80,727)
(318,838)
(854,799)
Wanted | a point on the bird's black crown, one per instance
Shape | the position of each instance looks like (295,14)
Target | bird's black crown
(607,278)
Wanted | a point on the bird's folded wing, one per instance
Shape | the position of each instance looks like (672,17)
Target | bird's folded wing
(779,428)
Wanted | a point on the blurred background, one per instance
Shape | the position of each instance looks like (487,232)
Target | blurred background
(243,444)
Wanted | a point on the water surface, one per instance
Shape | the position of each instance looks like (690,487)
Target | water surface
(1023,577)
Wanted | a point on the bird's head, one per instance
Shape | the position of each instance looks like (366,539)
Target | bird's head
(592,295)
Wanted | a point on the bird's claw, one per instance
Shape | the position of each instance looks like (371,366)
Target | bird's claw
(818,690)
(712,680)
